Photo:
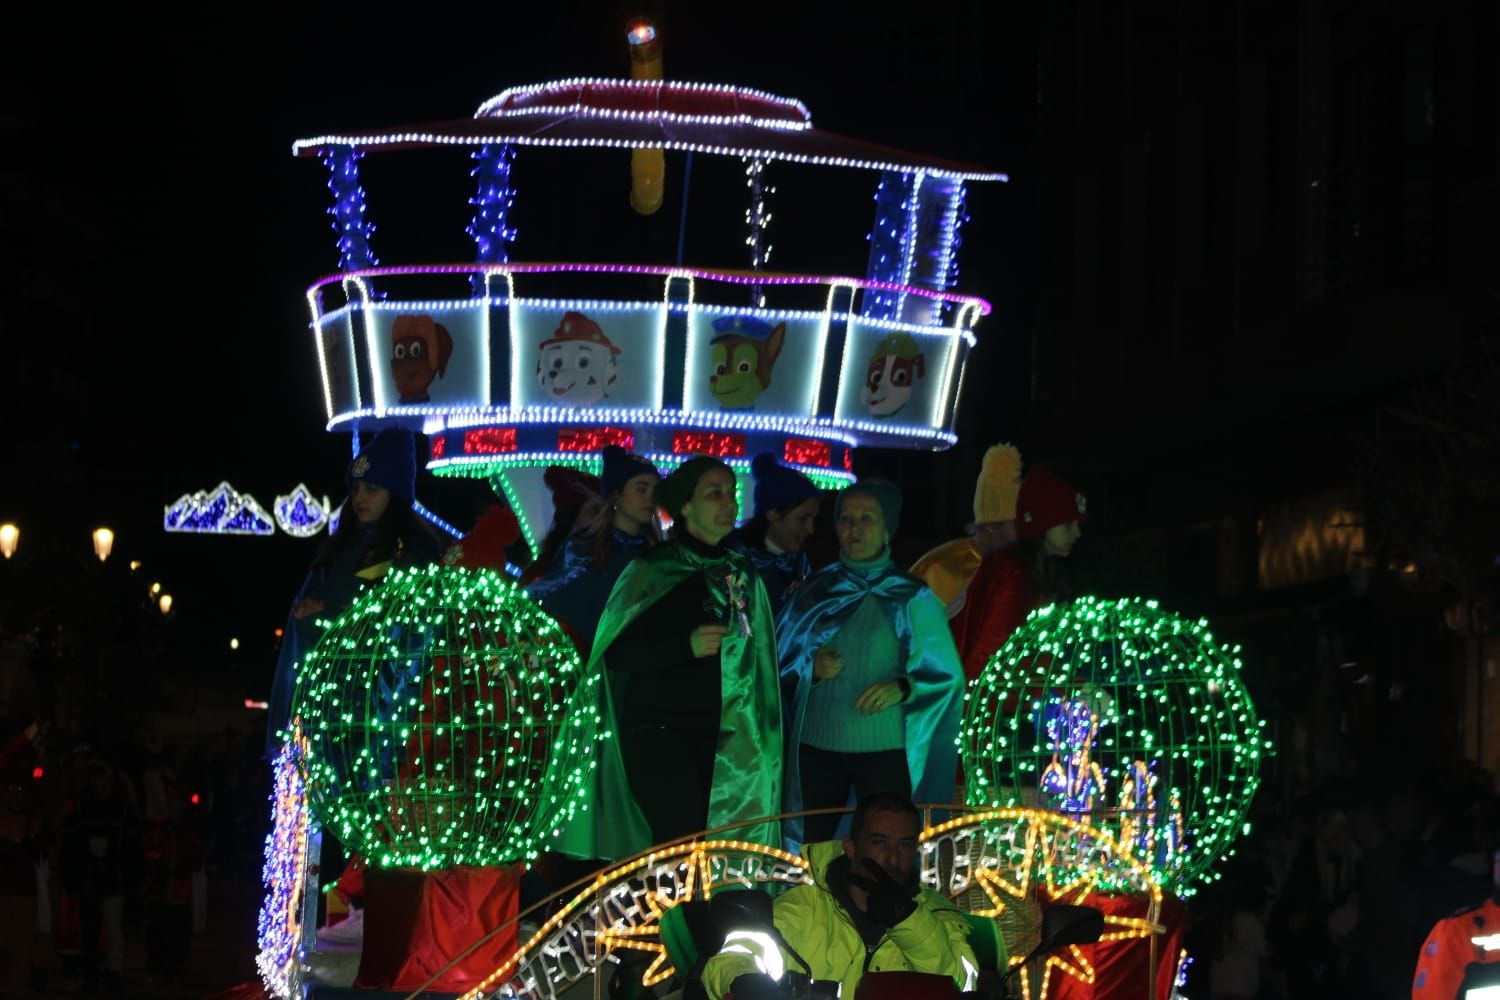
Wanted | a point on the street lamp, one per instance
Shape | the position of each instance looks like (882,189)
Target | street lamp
(155,589)
(135,564)
(104,543)
(9,536)
(234,644)
(165,603)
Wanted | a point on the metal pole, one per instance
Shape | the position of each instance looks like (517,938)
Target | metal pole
(687,183)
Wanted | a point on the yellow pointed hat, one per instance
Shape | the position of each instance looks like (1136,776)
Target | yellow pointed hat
(998,486)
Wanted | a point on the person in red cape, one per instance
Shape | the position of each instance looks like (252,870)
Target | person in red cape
(1014,581)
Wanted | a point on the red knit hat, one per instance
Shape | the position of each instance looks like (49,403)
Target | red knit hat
(1045,502)
(485,544)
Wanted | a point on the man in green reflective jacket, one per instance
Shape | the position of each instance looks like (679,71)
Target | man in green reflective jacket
(865,912)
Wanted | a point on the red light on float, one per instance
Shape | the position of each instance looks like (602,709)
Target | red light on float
(805,451)
(490,441)
(439,447)
(708,443)
(590,439)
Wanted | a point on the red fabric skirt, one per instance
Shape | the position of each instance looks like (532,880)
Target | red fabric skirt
(1122,968)
(416,923)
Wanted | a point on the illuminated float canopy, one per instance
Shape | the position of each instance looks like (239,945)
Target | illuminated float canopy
(508,367)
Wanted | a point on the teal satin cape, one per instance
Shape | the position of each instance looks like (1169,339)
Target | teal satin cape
(815,613)
(606,822)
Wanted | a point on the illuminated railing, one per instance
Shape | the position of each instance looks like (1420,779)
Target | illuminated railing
(452,347)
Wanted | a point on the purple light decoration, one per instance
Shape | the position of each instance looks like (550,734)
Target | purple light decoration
(1072,779)
(282,876)
(888,243)
(491,201)
(348,211)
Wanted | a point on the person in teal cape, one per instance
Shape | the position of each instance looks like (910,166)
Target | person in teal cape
(682,686)
(878,693)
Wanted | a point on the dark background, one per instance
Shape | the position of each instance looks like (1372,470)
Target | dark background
(1238,241)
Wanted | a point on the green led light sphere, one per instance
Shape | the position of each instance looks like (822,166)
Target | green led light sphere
(1126,716)
(431,710)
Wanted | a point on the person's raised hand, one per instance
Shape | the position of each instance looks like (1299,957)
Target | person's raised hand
(705,640)
(878,697)
(888,901)
(827,664)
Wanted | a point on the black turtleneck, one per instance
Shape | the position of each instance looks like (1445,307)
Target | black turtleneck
(666,683)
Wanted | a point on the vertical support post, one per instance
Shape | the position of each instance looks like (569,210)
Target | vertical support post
(759,220)
(492,199)
(352,229)
(674,351)
(914,242)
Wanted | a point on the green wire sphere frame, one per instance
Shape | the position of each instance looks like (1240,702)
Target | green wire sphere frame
(432,710)
(1123,715)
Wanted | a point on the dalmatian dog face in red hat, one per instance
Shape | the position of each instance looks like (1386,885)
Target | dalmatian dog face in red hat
(577,366)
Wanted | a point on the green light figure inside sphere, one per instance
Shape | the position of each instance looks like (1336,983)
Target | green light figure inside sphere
(1127,717)
(431,710)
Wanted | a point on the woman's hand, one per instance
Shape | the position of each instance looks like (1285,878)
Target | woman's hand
(306,606)
(705,640)
(878,697)
(827,664)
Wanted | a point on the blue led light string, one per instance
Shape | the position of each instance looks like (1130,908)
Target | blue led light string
(893,198)
(492,199)
(349,223)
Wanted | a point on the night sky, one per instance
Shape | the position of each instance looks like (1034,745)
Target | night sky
(158,234)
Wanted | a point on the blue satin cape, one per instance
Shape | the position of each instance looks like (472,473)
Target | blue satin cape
(817,610)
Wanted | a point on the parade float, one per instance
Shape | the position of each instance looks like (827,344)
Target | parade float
(425,716)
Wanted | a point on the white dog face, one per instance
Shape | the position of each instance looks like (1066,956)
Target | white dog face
(576,373)
(889,383)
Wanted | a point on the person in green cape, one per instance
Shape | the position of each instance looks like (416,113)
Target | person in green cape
(683,684)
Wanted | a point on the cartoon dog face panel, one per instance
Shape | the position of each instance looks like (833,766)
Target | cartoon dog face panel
(577,364)
(892,375)
(420,352)
(745,350)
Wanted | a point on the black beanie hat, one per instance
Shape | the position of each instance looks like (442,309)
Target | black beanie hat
(677,489)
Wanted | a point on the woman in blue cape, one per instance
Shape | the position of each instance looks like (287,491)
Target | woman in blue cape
(786,505)
(378,529)
(612,530)
(878,683)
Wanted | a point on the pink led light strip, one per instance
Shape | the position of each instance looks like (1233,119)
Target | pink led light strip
(726,277)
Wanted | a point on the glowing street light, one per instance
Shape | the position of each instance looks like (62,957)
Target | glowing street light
(135,564)
(155,589)
(9,536)
(234,644)
(104,543)
(165,603)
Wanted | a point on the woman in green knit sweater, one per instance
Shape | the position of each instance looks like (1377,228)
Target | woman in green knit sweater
(879,685)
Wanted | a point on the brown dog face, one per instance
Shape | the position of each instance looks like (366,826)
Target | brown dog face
(420,351)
